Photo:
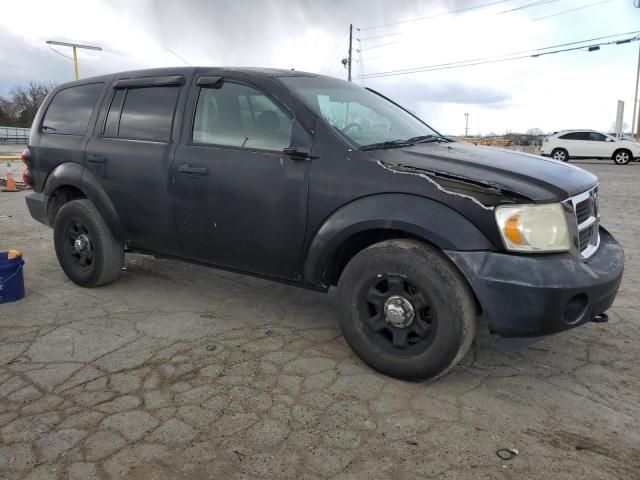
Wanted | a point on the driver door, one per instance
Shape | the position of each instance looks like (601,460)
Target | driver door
(240,202)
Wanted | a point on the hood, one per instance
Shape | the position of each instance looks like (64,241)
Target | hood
(630,144)
(538,178)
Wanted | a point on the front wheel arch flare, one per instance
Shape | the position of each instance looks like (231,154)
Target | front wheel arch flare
(411,215)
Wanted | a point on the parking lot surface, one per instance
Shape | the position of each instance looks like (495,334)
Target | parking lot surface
(182,371)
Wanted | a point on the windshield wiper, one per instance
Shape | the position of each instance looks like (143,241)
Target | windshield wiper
(51,129)
(388,144)
(427,139)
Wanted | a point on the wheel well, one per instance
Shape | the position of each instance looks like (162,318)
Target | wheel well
(59,197)
(622,150)
(361,240)
(354,245)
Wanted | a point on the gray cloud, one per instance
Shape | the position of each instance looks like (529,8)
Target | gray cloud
(407,90)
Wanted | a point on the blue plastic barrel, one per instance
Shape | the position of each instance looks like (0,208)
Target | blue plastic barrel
(11,278)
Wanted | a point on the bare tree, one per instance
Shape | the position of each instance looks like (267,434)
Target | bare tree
(5,116)
(625,127)
(536,132)
(25,102)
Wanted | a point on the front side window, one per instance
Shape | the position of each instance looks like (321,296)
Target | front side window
(360,115)
(70,110)
(597,137)
(240,116)
(142,113)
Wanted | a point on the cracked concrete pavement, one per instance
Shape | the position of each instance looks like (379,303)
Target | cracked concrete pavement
(181,371)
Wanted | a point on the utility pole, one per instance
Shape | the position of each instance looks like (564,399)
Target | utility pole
(466,124)
(75,47)
(635,103)
(636,3)
(350,50)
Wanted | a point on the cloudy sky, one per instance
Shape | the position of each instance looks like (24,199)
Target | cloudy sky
(568,90)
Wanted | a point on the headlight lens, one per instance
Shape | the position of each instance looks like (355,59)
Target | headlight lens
(533,228)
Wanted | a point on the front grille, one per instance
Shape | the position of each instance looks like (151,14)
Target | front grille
(585,207)
(583,210)
(584,237)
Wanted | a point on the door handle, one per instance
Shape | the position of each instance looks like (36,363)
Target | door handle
(187,169)
(96,159)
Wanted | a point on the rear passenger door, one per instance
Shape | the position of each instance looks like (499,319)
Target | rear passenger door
(130,157)
(582,144)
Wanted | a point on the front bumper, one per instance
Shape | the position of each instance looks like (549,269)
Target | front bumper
(535,295)
(37,205)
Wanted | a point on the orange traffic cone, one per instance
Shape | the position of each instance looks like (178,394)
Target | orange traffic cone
(11,183)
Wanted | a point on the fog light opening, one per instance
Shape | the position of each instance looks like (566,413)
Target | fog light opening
(575,308)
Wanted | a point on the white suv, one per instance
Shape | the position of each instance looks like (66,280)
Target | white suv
(589,144)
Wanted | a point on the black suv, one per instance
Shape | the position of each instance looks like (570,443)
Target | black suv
(317,182)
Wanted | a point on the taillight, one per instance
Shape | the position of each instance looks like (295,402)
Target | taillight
(27,177)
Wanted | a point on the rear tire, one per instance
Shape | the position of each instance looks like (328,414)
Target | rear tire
(86,249)
(406,310)
(622,157)
(560,154)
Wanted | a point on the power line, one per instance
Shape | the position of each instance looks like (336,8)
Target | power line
(538,52)
(570,10)
(522,7)
(528,5)
(174,53)
(60,53)
(384,35)
(450,12)
(335,56)
(568,44)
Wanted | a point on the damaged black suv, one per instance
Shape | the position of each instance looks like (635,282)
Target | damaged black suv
(317,182)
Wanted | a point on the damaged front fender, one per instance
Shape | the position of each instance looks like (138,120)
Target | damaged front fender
(417,216)
(482,193)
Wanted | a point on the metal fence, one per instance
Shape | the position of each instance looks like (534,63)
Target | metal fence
(14,135)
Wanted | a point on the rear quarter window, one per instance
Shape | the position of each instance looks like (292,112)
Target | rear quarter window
(70,110)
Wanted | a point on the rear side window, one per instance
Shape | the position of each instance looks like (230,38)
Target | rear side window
(569,136)
(70,110)
(576,136)
(144,113)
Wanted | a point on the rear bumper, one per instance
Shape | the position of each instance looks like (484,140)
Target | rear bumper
(530,296)
(37,205)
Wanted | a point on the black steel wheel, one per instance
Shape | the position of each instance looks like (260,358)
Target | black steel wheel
(406,310)
(398,315)
(87,251)
(79,245)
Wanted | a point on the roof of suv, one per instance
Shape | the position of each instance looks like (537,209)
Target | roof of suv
(256,71)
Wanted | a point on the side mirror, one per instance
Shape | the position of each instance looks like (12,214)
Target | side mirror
(609,139)
(298,153)
(301,143)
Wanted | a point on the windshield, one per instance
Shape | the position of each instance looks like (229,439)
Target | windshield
(362,116)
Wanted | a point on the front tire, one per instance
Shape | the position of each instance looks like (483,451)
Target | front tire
(622,157)
(560,154)
(86,249)
(406,310)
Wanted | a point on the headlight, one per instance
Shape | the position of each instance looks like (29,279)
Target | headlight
(533,228)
